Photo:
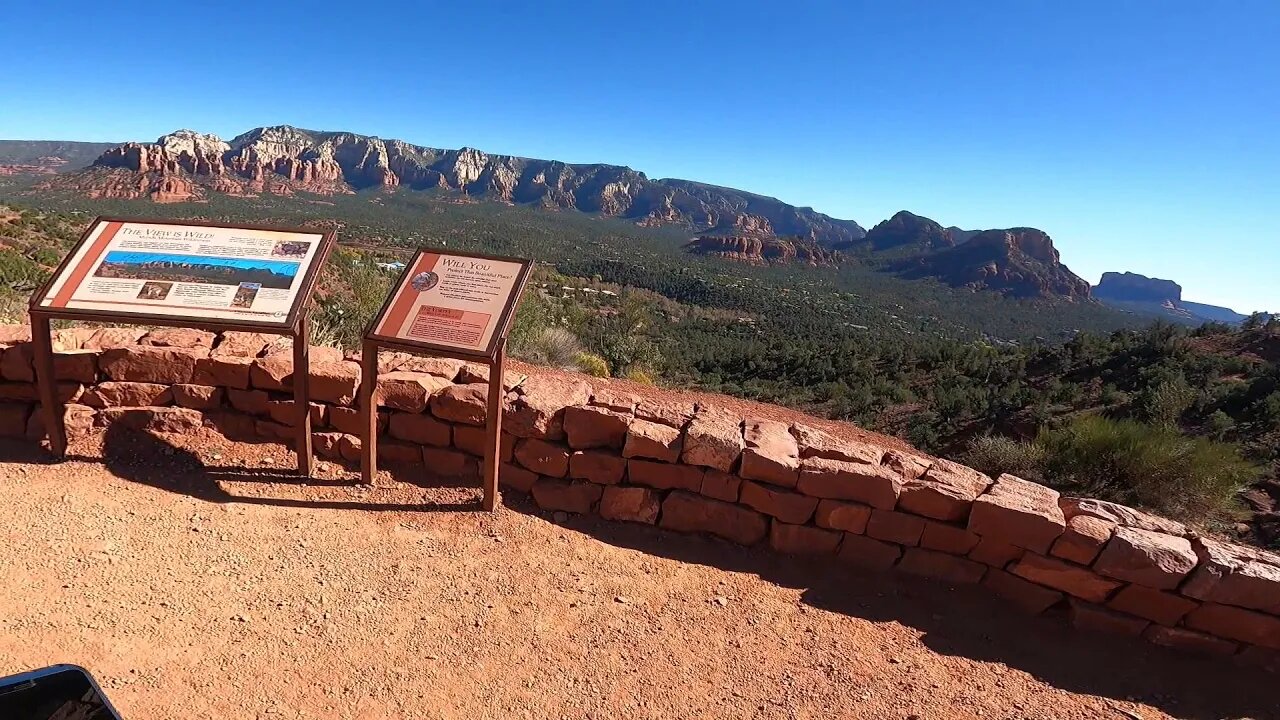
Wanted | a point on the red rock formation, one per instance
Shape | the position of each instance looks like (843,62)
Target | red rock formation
(752,224)
(910,230)
(285,159)
(762,249)
(1020,262)
(42,166)
(173,188)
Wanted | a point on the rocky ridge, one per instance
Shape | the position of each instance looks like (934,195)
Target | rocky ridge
(46,157)
(1019,262)
(907,229)
(186,166)
(763,249)
(47,165)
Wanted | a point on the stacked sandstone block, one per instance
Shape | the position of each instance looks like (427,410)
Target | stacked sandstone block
(690,469)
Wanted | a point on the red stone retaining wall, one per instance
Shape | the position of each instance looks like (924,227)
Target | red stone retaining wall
(689,469)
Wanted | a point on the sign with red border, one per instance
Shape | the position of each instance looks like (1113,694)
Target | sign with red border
(454,303)
(143,269)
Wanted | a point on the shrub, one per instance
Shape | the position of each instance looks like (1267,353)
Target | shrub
(622,339)
(922,431)
(13,309)
(48,257)
(1165,403)
(17,272)
(533,316)
(324,334)
(639,375)
(358,288)
(1218,424)
(593,365)
(553,347)
(1152,467)
(1267,411)
(995,455)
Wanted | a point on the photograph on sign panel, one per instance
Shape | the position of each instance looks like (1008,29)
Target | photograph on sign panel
(290,248)
(155,290)
(245,295)
(424,281)
(186,268)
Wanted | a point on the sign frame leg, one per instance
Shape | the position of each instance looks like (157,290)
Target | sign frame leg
(47,384)
(369,409)
(302,394)
(493,428)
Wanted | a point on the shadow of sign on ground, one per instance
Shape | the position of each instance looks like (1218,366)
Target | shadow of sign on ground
(147,459)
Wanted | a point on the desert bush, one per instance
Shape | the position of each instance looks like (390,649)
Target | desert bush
(533,315)
(13,308)
(1149,466)
(639,375)
(996,455)
(553,347)
(357,289)
(1218,424)
(323,334)
(1165,403)
(593,365)
(622,339)
(18,272)
(48,257)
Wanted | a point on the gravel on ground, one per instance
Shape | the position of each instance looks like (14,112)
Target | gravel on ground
(198,578)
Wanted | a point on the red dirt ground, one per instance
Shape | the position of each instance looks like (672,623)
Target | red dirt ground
(197,579)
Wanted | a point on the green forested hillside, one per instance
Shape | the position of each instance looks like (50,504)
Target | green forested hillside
(31,244)
(583,245)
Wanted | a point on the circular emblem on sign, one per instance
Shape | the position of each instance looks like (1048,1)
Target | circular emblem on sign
(424,281)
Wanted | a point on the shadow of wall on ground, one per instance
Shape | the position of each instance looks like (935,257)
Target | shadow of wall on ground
(958,621)
(968,621)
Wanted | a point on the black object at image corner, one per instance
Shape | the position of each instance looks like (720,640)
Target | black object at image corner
(60,692)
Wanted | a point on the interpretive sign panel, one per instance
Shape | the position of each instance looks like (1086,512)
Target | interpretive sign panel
(209,276)
(454,302)
(223,273)
(457,305)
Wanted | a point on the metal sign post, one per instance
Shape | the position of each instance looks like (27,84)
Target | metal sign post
(181,273)
(454,305)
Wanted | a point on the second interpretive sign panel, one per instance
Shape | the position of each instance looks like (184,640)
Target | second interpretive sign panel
(210,273)
(454,303)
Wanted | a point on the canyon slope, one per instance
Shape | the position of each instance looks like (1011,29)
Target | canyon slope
(906,230)
(1016,262)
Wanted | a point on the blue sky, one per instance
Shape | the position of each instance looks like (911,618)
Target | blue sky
(1142,136)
